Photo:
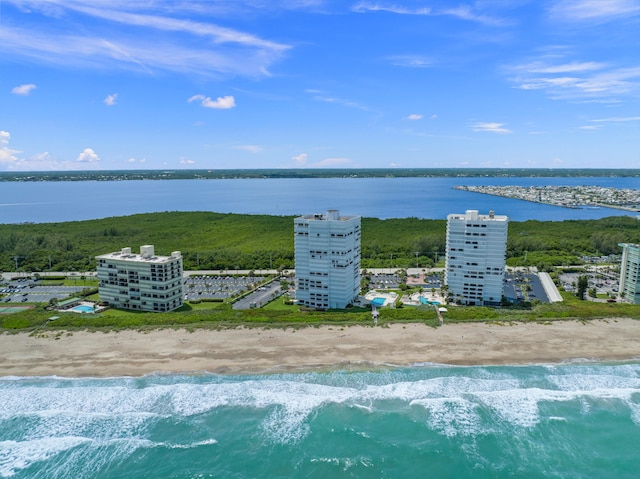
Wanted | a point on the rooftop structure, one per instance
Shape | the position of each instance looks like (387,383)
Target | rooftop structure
(144,281)
(475,265)
(327,255)
(630,273)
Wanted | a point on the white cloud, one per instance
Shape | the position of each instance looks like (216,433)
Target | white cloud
(590,127)
(414,117)
(330,162)
(434,116)
(463,12)
(186,161)
(619,119)
(364,7)
(300,159)
(220,103)
(7,155)
(249,148)
(572,67)
(23,90)
(87,156)
(587,80)
(410,61)
(466,13)
(38,162)
(143,36)
(320,96)
(590,10)
(490,127)
(110,100)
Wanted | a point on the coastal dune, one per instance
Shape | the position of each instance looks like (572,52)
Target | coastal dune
(241,351)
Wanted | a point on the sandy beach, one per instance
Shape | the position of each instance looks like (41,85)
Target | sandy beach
(238,351)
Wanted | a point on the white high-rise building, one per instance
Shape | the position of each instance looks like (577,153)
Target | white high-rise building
(143,282)
(476,251)
(630,273)
(327,253)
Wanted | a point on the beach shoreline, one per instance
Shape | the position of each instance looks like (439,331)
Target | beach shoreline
(274,350)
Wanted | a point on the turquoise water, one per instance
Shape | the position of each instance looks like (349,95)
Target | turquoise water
(82,309)
(562,421)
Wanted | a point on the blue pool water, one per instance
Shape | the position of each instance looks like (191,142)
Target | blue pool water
(378,302)
(81,308)
(424,300)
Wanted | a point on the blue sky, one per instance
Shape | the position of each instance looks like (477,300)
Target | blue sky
(160,84)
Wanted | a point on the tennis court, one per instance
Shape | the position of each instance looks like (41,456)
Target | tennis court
(13,309)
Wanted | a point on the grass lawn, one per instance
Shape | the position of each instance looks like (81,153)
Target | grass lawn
(278,314)
(278,305)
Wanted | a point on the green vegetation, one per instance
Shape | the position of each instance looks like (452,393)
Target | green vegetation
(229,241)
(252,242)
(278,314)
(557,243)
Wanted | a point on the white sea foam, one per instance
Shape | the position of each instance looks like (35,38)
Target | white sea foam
(594,382)
(345,463)
(635,412)
(207,442)
(124,408)
(369,409)
(451,416)
(294,401)
(557,419)
(19,455)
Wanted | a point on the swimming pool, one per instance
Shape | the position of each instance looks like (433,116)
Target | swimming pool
(424,300)
(82,308)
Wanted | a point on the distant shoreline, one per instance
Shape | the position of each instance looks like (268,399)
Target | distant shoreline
(574,197)
(129,175)
(264,351)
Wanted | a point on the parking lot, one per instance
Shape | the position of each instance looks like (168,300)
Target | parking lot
(260,297)
(524,287)
(605,282)
(426,281)
(384,281)
(218,287)
(31,291)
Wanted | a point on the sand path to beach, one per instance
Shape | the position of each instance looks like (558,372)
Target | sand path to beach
(133,353)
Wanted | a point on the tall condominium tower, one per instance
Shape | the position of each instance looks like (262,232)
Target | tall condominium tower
(327,252)
(476,250)
(144,281)
(630,273)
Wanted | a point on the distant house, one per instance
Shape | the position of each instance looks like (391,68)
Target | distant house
(143,282)
(630,273)
(476,252)
(327,255)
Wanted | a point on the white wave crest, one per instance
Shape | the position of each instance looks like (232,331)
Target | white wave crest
(16,456)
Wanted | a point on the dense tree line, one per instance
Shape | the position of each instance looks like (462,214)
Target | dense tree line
(124,175)
(229,241)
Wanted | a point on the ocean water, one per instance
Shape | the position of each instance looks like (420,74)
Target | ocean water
(579,420)
(432,198)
